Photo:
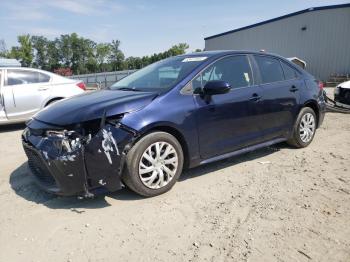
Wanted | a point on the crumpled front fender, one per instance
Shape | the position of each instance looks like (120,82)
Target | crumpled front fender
(67,164)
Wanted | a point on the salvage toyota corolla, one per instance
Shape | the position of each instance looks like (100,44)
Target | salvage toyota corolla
(178,113)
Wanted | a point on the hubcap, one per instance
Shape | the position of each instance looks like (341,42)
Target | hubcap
(158,165)
(307,127)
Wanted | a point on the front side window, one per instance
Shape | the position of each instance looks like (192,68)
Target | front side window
(234,70)
(270,69)
(159,76)
(21,77)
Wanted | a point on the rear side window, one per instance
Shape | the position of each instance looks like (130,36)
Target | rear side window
(234,70)
(43,78)
(21,77)
(289,72)
(270,69)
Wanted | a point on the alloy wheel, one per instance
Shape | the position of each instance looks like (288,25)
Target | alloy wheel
(158,165)
(307,127)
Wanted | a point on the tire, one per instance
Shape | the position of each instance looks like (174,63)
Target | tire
(149,184)
(299,139)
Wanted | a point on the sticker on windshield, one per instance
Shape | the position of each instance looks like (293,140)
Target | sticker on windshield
(195,59)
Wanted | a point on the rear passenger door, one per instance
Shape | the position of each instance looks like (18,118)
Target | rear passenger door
(280,96)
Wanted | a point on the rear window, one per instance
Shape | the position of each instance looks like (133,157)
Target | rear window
(289,72)
(270,69)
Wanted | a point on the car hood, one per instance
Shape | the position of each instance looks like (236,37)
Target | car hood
(345,85)
(93,105)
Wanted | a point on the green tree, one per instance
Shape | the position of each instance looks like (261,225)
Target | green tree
(23,52)
(116,57)
(76,52)
(178,49)
(79,54)
(3,49)
(40,45)
(103,52)
(53,55)
(65,50)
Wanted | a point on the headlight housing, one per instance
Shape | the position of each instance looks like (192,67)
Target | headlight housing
(337,90)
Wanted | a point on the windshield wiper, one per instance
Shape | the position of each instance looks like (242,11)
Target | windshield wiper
(129,89)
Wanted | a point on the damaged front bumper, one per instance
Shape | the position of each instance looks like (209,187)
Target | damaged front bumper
(68,163)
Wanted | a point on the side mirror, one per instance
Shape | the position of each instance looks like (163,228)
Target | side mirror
(216,87)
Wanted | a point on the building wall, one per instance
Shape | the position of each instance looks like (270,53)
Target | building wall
(324,45)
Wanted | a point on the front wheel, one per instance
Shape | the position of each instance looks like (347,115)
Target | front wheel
(304,128)
(153,164)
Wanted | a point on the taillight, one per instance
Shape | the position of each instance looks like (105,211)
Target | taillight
(320,85)
(81,85)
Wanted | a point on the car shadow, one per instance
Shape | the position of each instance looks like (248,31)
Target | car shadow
(222,164)
(12,127)
(24,185)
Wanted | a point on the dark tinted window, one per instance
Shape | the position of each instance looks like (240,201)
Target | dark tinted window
(289,72)
(270,69)
(235,70)
(21,77)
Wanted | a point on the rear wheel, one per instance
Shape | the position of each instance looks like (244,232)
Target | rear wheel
(304,128)
(154,164)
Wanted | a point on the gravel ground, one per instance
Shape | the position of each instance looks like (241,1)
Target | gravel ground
(275,204)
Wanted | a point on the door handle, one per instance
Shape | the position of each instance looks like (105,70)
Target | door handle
(293,89)
(255,97)
(43,88)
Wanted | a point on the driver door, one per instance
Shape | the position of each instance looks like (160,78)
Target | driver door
(228,122)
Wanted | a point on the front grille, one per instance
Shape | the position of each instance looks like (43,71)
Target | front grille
(38,167)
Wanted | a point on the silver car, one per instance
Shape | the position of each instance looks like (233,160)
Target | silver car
(25,91)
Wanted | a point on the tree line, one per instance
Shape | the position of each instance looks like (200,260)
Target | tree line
(73,54)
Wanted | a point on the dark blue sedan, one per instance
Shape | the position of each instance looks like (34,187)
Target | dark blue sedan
(178,113)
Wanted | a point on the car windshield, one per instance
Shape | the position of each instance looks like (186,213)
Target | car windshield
(159,76)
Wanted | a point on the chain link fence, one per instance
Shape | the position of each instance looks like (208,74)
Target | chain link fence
(102,80)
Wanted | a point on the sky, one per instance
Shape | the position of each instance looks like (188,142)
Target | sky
(143,27)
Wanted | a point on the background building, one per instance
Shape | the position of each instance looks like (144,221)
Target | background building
(9,62)
(320,36)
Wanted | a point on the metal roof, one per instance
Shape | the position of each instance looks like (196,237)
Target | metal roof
(311,9)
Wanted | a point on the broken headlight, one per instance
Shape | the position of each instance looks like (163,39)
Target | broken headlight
(73,137)
(67,141)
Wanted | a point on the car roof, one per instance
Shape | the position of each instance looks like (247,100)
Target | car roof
(28,69)
(219,53)
(20,68)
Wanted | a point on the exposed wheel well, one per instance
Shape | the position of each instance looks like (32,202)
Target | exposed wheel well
(53,100)
(314,107)
(179,138)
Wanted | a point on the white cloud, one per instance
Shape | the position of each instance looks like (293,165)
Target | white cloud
(37,10)
(28,11)
(86,7)
(49,32)
(27,15)
(46,31)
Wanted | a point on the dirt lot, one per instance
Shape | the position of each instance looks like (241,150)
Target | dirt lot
(276,204)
